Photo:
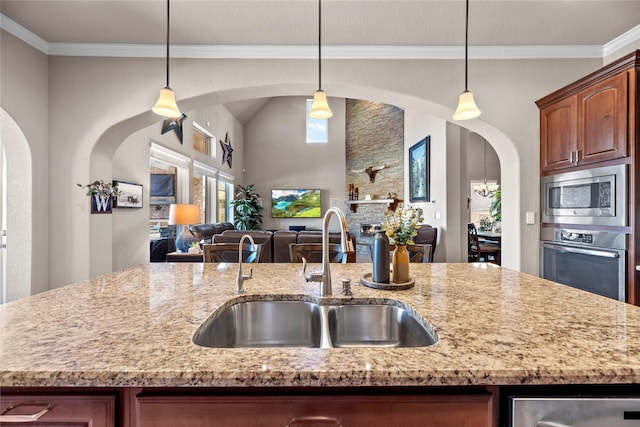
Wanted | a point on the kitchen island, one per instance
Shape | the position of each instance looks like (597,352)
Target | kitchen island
(131,330)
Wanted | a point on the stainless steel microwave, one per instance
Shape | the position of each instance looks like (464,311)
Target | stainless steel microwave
(595,196)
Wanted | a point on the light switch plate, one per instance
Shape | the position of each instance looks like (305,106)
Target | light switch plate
(530,218)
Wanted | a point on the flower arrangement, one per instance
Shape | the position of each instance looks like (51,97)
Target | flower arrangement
(101,188)
(485,223)
(402,225)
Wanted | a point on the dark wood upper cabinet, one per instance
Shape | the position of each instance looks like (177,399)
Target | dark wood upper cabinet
(585,127)
(602,120)
(559,134)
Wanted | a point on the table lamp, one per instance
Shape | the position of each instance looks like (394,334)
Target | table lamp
(184,215)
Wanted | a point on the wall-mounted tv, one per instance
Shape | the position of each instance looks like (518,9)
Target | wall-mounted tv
(162,185)
(295,204)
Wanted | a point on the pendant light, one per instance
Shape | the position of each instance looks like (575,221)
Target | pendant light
(320,107)
(467,108)
(484,189)
(166,105)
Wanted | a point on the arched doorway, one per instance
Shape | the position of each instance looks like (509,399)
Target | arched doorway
(101,153)
(17,190)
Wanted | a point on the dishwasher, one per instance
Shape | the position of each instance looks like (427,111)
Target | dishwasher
(575,412)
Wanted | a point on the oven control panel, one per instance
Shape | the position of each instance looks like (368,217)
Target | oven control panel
(568,236)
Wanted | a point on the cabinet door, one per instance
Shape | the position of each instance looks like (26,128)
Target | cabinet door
(602,120)
(558,135)
(66,410)
(316,411)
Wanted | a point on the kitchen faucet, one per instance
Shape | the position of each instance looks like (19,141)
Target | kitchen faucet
(240,278)
(324,276)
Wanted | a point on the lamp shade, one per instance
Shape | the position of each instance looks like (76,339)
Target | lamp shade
(467,108)
(184,214)
(166,104)
(320,107)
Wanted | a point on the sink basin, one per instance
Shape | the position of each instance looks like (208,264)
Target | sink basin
(262,324)
(308,324)
(364,325)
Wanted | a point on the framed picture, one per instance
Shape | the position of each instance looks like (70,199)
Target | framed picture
(419,171)
(130,195)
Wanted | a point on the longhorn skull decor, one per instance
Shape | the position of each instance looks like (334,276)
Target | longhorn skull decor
(371,171)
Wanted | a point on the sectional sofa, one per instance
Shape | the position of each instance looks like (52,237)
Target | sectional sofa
(276,243)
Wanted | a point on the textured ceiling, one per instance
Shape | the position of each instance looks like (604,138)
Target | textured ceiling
(345,22)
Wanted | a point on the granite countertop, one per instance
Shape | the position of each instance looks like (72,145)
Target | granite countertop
(495,327)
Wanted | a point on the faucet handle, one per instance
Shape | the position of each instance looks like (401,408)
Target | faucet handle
(250,276)
(346,287)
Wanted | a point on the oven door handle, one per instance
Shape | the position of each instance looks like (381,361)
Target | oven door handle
(593,252)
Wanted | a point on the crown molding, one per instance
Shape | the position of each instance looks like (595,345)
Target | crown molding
(35,41)
(328,52)
(309,52)
(621,41)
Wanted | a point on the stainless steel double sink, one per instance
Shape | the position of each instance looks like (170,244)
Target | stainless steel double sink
(285,323)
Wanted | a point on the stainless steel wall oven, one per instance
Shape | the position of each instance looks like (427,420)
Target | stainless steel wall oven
(594,261)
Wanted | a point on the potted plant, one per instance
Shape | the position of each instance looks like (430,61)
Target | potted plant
(247,207)
(495,210)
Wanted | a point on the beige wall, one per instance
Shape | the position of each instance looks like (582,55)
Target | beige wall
(24,136)
(278,157)
(96,103)
(130,227)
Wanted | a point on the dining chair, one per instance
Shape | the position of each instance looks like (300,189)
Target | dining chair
(312,252)
(228,252)
(417,252)
(477,251)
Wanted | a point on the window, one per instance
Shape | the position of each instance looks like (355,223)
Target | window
(478,205)
(225,197)
(316,128)
(203,140)
(165,161)
(204,191)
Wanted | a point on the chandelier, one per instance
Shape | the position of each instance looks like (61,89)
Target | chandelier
(484,189)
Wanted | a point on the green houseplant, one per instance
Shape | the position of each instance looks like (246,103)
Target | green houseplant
(495,210)
(248,209)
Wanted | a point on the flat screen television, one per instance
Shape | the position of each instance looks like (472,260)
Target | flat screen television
(295,204)
(162,185)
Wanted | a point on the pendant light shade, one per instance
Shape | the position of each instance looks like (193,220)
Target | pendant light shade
(320,107)
(166,104)
(467,108)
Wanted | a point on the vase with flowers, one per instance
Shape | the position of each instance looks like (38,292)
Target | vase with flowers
(102,195)
(401,227)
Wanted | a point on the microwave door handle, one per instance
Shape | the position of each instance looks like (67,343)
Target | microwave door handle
(550,424)
(592,252)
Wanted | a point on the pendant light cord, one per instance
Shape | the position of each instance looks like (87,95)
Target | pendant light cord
(167,43)
(466,47)
(319,44)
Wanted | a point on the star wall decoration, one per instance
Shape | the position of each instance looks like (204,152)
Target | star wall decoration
(226,149)
(174,124)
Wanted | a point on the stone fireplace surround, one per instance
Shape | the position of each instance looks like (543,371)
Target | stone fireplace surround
(374,137)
